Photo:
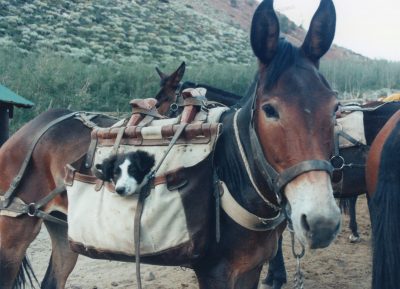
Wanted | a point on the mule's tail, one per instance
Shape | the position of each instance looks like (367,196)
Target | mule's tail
(25,276)
(385,216)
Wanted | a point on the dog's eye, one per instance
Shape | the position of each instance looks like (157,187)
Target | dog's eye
(117,171)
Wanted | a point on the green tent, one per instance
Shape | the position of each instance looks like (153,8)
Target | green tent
(9,97)
(8,100)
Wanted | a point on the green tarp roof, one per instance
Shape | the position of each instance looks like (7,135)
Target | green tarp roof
(10,97)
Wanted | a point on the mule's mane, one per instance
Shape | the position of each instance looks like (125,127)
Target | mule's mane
(286,56)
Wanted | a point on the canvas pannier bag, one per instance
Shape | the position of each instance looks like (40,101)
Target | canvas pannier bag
(178,215)
(351,124)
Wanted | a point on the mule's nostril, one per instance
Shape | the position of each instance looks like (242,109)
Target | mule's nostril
(304,223)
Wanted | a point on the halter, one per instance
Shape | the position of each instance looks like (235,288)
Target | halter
(277,181)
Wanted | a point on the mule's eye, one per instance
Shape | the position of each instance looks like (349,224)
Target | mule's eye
(336,110)
(270,111)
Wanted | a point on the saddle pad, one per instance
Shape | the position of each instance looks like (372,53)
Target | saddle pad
(105,221)
(353,125)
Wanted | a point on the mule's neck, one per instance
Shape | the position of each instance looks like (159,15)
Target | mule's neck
(231,167)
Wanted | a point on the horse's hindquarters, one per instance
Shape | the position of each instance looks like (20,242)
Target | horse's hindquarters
(314,213)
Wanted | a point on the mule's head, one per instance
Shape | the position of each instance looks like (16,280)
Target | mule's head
(169,85)
(294,114)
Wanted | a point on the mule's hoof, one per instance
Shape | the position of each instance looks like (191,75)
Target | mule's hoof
(262,285)
(354,239)
(275,285)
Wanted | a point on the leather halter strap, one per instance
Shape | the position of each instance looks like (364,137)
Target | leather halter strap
(277,181)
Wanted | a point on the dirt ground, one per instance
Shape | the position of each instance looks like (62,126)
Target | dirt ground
(342,265)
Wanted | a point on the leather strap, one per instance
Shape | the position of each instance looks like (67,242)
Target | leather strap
(303,167)
(33,209)
(171,144)
(278,181)
(57,191)
(144,192)
(118,140)
(91,151)
(217,196)
(8,196)
(247,165)
(243,217)
(349,138)
(153,112)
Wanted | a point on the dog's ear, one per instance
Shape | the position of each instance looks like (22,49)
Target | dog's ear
(145,161)
(105,169)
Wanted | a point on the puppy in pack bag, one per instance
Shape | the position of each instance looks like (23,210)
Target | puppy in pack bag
(128,171)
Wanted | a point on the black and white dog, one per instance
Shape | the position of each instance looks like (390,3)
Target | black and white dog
(127,171)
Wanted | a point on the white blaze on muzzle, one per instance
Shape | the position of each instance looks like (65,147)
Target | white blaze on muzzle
(314,213)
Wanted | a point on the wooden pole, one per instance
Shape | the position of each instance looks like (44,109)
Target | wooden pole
(4,123)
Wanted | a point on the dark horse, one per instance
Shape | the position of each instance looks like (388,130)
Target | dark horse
(383,171)
(353,173)
(272,155)
(352,176)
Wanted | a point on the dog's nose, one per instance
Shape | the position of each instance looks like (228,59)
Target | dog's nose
(120,190)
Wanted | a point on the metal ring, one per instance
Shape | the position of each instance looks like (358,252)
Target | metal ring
(174,107)
(337,162)
(303,249)
(32,210)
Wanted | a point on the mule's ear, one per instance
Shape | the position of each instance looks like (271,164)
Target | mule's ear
(177,76)
(264,35)
(321,32)
(161,74)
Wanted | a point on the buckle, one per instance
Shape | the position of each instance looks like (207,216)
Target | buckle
(337,162)
(32,210)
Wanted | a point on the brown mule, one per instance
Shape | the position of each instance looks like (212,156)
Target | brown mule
(383,183)
(272,155)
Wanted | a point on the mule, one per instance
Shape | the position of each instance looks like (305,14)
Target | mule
(272,154)
(383,184)
(353,179)
(172,86)
(353,173)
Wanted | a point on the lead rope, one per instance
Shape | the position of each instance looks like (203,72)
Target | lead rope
(144,192)
(298,275)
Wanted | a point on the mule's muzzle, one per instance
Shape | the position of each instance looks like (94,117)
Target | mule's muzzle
(320,232)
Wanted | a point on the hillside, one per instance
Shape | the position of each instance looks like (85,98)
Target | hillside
(129,31)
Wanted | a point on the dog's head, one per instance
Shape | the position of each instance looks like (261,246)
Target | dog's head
(127,171)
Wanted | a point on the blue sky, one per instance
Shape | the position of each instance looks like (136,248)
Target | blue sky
(368,27)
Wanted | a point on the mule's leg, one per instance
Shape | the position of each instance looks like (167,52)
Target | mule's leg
(15,236)
(249,280)
(223,278)
(214,276)
(276,276)
(62,260)
(354,237)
